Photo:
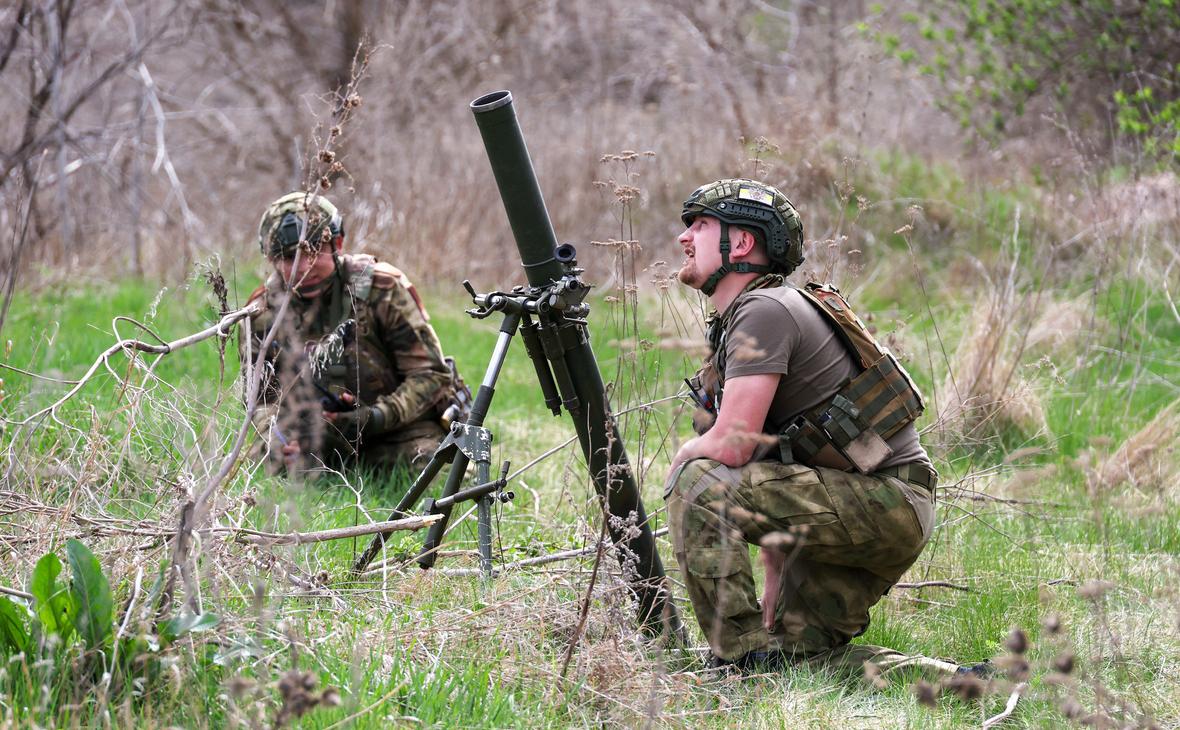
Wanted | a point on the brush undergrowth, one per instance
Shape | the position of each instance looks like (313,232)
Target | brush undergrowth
(1031,534)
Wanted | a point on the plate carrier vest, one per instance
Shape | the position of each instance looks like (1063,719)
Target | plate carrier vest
(872,406)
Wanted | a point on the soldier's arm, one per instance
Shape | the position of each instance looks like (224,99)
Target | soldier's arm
(414,350)
(738,429)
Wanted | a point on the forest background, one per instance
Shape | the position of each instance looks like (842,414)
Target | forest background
(995,182)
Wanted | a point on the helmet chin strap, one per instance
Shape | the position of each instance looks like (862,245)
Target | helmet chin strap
(741,267)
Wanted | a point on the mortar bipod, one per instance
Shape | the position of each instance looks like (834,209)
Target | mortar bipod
(469,441)
(485,494)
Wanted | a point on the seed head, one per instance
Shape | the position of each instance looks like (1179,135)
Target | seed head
(1064,662)
(966,686)
(1052,624)
(1017,641)
(925,693)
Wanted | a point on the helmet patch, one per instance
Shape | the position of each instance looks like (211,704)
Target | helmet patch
(755,194)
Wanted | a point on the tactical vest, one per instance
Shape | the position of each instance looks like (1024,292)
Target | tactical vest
(344,351)
(871,407)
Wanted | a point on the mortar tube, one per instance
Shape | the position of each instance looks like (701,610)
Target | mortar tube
(598,435)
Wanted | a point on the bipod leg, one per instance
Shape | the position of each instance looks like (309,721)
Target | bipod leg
(483,510)
(442,455)
(472,441)
(483,513)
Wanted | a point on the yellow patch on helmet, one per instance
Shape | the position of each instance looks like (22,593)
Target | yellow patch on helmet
(756,194)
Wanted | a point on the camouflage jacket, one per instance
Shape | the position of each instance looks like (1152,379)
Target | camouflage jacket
(367,334)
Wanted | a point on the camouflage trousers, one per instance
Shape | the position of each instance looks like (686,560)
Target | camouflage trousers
(408,446)
(848,538)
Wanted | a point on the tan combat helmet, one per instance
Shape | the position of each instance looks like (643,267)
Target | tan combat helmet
(754,205)
(298,218)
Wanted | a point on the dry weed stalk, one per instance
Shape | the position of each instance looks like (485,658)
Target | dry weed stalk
(985,391)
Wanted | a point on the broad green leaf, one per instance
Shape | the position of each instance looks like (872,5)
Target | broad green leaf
(14,633)
(92,594)
(187,623)
(53,605)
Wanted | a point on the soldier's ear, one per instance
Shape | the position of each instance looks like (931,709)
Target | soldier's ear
(743,243)
(338,242)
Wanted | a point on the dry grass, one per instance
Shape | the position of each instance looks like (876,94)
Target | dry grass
(986,390)
(1149,460)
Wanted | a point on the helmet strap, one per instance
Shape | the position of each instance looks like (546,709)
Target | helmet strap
(741,267)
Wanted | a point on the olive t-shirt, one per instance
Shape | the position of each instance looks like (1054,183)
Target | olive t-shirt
(776,330)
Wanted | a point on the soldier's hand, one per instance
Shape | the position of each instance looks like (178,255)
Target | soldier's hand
(357,422)
(773,559)
(291,454)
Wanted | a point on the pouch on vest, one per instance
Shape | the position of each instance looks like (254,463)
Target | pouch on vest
(875,404)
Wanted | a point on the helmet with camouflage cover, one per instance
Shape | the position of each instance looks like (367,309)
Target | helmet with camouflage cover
(298,218)
(756,206)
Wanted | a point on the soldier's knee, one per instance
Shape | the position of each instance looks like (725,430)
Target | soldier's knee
(693,478)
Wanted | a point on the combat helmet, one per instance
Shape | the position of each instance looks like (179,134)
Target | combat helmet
(756,206)
(298,218)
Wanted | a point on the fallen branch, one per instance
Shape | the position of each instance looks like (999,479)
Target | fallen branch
(14,592)
(525,563)
(300,538)
(1008,708)
(933,584)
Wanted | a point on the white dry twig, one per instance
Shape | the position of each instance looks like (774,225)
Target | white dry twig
(1008,708)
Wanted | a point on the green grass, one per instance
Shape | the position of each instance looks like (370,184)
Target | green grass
(456,651)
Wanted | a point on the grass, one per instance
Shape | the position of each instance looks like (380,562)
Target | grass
(1031,533)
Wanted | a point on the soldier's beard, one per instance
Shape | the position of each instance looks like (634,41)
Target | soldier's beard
(688,274)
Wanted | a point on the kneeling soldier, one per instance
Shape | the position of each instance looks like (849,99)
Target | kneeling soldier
(355,372)
(812,454)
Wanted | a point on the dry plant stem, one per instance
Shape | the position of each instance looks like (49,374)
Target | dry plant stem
(14,592)
(217,330)
(543,559)
(37,376)
(585,612)
(179,551)
(933,584)
(254,379)
(303,538)
(1008,708)
(193,513)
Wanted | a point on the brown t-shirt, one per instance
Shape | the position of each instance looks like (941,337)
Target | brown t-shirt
(776,330)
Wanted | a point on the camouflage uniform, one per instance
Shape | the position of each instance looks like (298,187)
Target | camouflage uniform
(845,536)
(849,537)
(367,334)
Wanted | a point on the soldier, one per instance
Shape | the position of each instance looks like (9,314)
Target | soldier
(355,373)
(811,452)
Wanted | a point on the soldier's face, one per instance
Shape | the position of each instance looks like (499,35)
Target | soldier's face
(702,252)
(310,270)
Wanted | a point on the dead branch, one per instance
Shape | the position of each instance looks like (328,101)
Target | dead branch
(301,538)
(217,330)
(14,592)
(933,584)
(1008,708)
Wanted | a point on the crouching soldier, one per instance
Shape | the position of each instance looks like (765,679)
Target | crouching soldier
(354,373)
(812,453)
